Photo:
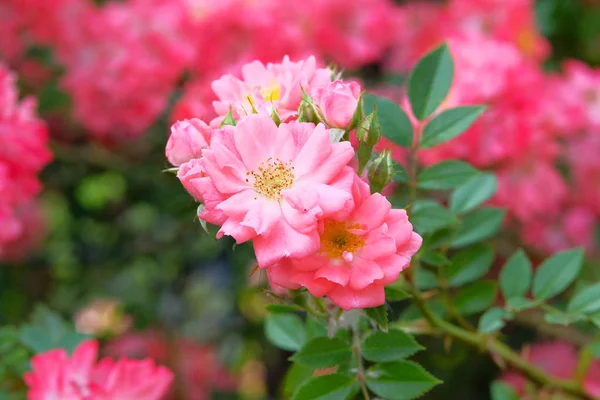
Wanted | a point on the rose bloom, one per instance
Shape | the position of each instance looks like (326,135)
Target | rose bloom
(338,102)
(270,184)
(359,253)
(188,138)
(263,88)
(54,375)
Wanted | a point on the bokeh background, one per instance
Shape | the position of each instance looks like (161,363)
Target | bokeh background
(109,242)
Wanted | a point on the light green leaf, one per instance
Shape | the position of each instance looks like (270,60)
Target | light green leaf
(502,391)
(431,218)
(285,331)
(394,345)
(586,301)
(515,276)
(449,124)
(492,320)
(446,175)
(555,274)
(520,303)
(470,264)
(401,380)
(434,258)
(479,225)
(395,124)
(430,81)
(557,318)
(327,387)
(476,297)
(323,352)
(473,193)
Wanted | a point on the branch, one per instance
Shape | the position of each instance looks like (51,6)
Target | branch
(494,347)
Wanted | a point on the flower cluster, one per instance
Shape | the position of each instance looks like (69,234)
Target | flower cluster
(56,376)
(537,125)
(22,156)
(265,175)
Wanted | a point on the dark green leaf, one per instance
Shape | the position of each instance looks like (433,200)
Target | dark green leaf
(395,124)
(283,308)
(285,331)
(394,345)
(425,279)
(315,328)
(449,124)
(294,377)
(446,175)
(402,380)
(556,273)
(379,315)
(585,301)
(479,225)
(431,218)
(430,81)
(492,320)
(395,294)
(515,276)
(502,391)
(473,193)
(327,387)
(470,264)
(476,297)
(323,352)
(434,258)
(399,173)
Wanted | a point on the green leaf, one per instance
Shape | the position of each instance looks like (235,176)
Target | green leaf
(394,345)
(479,225)
(379,315)
(476,297)
(395,294)
(446,175)
(283,308)
(430,81)
(557,318)
(492,320)
(515,276)
(399,173)
(502,391)
(294,377)
(520,303)
(586,301)
(470,264)
(473,193)
(228,120)
(285,331)
(401,380)
(556,273)
(434,258)
(595,319)
(395,124)
(327,387)
(425,279)
(315,328)
(48,331)
(449,124)
(323,352)
(431,218)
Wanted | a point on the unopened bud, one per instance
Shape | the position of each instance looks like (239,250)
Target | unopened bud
(381,171)
(368,130)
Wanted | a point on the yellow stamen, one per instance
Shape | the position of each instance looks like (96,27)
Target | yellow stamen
(271,93)
(336,239)
(272,177)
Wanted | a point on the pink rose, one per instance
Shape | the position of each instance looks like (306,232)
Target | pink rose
(338,102)
(188,138)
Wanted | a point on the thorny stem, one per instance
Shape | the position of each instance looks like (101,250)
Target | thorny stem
(359,363)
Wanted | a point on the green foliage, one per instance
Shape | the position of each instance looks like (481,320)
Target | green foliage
(476,297)
(473,193)
(327,387)
(323,352)
(502,391)
(492,320)
(449,124)
(394,122)
(470,264)
(555,274)
(389,346)
(430,216)
(430,82)
(446,175)
(379,315)
(479,225)
(516,275)
(401,380)
(586,301)
(285,331)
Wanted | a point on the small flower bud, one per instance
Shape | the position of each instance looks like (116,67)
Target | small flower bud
(381,171)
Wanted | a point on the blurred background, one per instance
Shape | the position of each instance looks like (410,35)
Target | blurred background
(95,236)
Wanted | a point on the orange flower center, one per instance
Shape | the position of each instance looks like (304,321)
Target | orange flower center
(336,239)
(272,177)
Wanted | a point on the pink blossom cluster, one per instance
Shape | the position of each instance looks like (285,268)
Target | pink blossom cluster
(23,154)
(55,375)
(197,367)
(537,124)
(287,187)
(559,360)
(122,61)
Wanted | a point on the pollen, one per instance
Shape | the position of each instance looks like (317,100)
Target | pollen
(272,177)
(336,239)
(272,92)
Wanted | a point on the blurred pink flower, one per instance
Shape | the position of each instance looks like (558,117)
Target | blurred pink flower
(359,253)
(55,375)
(338,102)
(188,138)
